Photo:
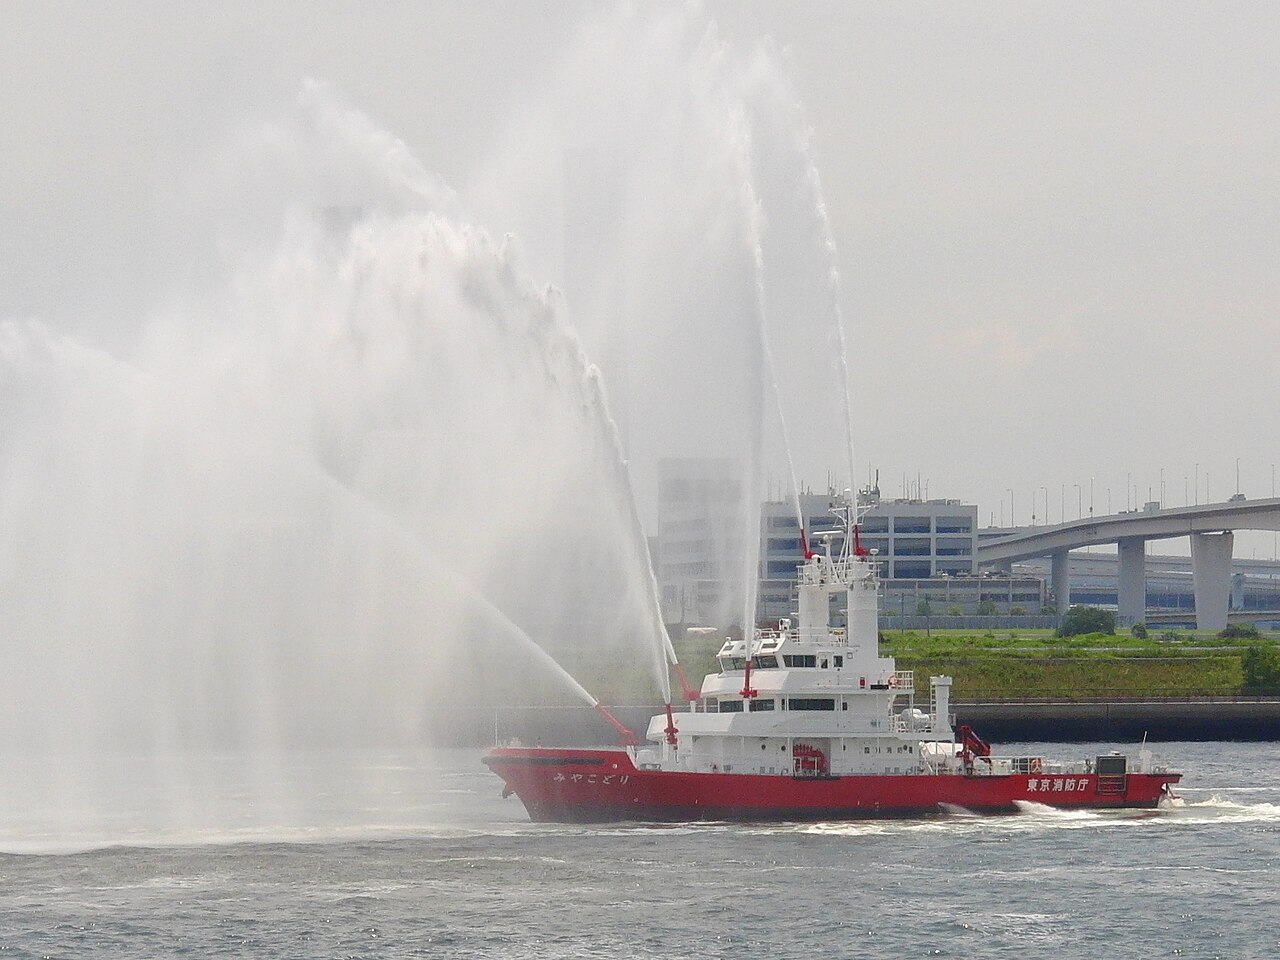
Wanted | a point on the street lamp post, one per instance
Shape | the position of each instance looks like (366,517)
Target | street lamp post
(1012,521)
(1079,502)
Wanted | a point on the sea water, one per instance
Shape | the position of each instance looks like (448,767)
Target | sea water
(416,854)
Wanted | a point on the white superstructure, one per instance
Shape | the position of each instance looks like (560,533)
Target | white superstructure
(808,699)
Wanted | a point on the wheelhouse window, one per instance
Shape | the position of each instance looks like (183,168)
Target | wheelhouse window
(811,703)
(730,706)
(800,659)
(765,662)
(758,706)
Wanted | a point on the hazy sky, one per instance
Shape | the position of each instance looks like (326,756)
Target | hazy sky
(1058,224)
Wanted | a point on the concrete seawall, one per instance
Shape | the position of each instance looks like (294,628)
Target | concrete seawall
(1236,718)
(999,722)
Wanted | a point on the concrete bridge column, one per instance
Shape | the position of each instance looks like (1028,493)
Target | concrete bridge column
(1211,574)
(1133,581)
(1060,580)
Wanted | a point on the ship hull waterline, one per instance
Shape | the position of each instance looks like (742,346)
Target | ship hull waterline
(604,786)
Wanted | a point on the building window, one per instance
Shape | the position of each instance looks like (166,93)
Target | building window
(911,570)
(911,547)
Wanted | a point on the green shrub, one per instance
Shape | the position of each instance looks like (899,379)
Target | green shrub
(1139,630)
(1080,620)
(1240,631)
(1260,665)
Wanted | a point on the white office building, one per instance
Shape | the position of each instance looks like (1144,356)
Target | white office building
(925,551)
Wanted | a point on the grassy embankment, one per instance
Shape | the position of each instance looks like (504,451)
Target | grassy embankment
(1035,663)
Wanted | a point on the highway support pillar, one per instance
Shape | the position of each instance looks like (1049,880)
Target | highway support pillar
(1060,580)
(1211,575)
(1132,600)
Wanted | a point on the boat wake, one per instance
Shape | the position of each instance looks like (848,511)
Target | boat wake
(1218,809)
(1030,807)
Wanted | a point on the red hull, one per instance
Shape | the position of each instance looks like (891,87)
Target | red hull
(592,786)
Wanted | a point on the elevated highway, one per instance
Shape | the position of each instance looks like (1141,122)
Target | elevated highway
(1210,526)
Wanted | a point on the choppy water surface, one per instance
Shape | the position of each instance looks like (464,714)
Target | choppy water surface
(390,856)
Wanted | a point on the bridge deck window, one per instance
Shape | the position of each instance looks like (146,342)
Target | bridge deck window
(800,659)
(811,703)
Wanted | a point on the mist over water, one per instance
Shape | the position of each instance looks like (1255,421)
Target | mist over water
(277,521)
(360,461)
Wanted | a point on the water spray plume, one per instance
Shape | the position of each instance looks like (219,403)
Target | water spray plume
(250,508)
(233,536)
(771,371)
(832,289)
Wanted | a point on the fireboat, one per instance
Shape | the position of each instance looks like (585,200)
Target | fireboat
(808,721)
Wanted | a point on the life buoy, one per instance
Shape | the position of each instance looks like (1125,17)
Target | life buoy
(893,681)
(1035,764)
